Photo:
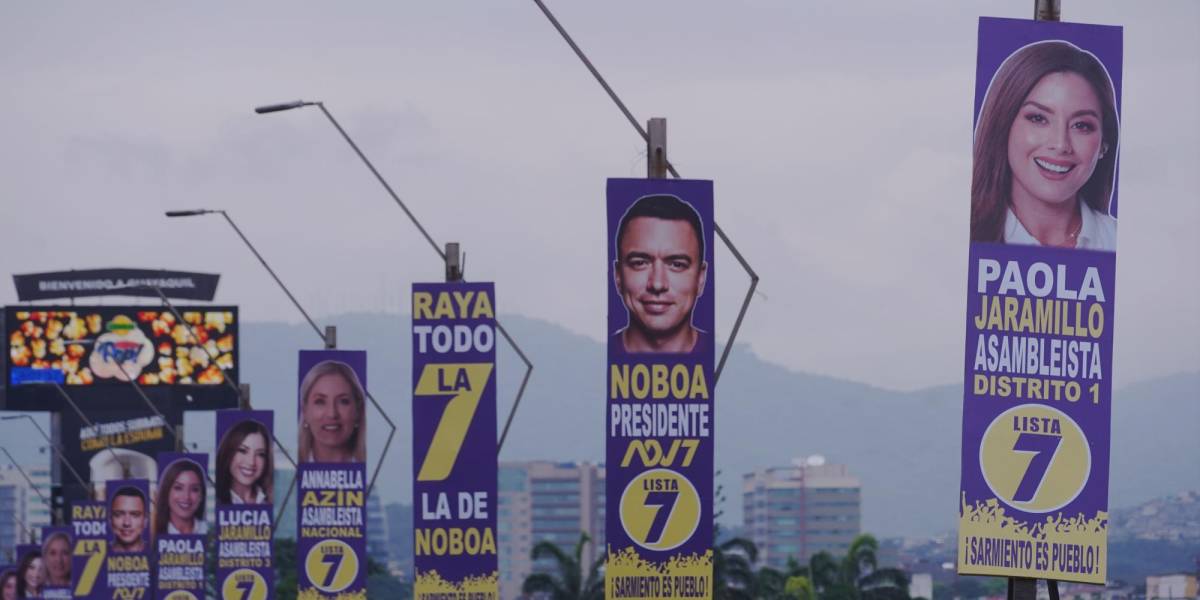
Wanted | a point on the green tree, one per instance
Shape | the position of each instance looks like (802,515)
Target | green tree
(733,576)
(799,587)
(860,578)
(568,582)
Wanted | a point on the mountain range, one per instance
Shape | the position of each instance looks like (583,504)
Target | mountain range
(903,446)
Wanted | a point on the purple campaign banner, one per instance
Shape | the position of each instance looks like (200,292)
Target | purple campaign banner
(129,552)
(27,557)
(180,526)
(89,526)
(454,441)
(1040,295)
(659,410)
(331,547)
(56,563)
(244,476)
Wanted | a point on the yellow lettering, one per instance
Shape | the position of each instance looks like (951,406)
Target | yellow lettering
(422,301)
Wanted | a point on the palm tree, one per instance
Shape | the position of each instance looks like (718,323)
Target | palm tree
(733,575)
(860,578)
(569,583)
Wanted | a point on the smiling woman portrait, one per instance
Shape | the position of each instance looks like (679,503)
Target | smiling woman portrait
(1045,151)
(332,410)
(179,508)
(245,464)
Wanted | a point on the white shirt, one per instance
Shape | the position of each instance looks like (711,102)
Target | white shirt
(259,498)
(199,526)
(1098,231)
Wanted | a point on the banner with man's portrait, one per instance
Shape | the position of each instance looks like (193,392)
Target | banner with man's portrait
(128,562)
(244,475)
(331,523)
(659,409)
(1040,293)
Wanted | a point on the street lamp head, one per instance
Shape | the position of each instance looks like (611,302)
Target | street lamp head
(188,213)
(270,108)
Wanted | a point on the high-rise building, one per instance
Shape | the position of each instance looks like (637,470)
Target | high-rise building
(546,501)
(23,512)
(377,530)
(285,527)
(799,510)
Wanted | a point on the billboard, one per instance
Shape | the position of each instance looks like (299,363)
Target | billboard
(331,544)
(115,282)
(1037,394)
(454,440)
(116,444)
(659,416)
(244,473)
(180,526)
(82,347)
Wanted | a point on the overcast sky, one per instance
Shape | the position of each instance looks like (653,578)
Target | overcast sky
(838,135)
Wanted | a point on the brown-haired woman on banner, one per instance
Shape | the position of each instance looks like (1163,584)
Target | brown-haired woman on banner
(1046,151)
(179,508)
(245,465)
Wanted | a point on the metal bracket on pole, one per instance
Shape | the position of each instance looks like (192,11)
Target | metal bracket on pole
(244,396)
(331,337)
(656,148)
(1047,10)
(454,262)
(737,324)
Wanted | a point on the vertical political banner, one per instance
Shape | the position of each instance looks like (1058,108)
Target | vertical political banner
(245,469)
(57,582)
(331,543)
(128,561)
(180,526)
(454,441)
(659,417)
(8,580)
(1040,292)
(89,527)
(29,571)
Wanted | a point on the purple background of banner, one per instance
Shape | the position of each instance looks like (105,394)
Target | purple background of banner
(46,533)
(78,563)
(998,38)
(980,410)
(225,420)
(357,360)
(164,460)
(111,489)
(476,468)
(622,193)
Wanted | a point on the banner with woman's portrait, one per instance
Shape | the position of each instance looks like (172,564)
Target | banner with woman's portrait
(180,526)
(29,574)
(454,441)
(129,553)
(331,523)
(659,398)
(89,528)
(1040,293)
(58,582)
(244,476)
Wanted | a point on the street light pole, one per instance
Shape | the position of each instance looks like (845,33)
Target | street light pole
(56,448)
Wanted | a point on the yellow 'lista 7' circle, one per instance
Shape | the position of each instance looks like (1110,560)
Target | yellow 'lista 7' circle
(331,565)
(660,509)
(244,584)
(1035,458)
(180,595)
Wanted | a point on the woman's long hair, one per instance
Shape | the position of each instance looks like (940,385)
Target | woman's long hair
(5,575)
(991,183)
(26,564)
(228,448)
(358,440)
(162,509)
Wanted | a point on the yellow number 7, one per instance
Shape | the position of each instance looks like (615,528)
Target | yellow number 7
(95,550)
(466,383)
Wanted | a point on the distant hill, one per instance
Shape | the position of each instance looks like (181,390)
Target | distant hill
(903,445)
